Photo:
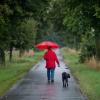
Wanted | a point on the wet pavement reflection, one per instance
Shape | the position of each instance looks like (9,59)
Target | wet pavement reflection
(34,85)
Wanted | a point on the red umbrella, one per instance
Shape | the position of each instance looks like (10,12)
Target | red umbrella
(46,44)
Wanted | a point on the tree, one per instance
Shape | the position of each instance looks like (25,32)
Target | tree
(4,36)
(77,18)
(13,13)
(88,9)
(26,34)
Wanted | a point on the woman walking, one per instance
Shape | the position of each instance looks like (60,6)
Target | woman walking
(50,58)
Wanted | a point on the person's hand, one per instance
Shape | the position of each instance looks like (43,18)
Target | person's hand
(58,65)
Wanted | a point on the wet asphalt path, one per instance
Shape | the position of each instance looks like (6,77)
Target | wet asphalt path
(34,85)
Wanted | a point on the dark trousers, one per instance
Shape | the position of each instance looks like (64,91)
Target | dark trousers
(50,73)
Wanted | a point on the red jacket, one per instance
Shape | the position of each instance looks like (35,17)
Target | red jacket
(50,58)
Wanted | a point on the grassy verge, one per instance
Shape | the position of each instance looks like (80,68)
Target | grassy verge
(88,78)
(16,70)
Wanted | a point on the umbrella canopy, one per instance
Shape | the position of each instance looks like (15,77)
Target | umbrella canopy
(46,44)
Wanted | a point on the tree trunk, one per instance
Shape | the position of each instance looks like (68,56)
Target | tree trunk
(97,41)
(2,56)
(10,54)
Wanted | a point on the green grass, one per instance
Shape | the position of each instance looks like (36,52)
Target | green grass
(15,70)
(87,77)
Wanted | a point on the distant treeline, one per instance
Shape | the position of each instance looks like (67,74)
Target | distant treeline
(71,23)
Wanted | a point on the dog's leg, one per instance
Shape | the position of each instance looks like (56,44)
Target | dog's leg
(63,84)
(67,82)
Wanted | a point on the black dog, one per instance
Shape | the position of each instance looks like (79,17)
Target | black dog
(65,77)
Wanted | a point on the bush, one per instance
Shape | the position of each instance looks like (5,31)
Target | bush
(87,47)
